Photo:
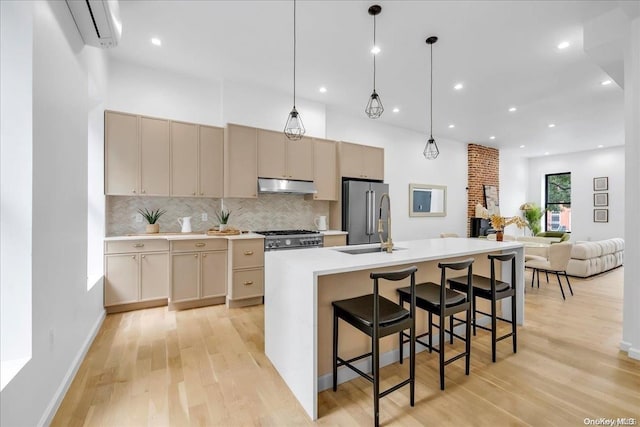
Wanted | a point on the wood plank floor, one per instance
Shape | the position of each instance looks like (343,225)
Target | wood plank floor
(206,366)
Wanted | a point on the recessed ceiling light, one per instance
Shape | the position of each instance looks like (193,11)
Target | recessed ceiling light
(322,89)
(552,125)
(546,153)
(606,82)
(396,110)
(458,86)
(492,137)
(522,146)
(156,41)
(600,146)
(375,50)
(451,126)
(564,45)
(512,109)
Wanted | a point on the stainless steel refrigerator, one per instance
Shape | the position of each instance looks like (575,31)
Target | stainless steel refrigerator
(361,209)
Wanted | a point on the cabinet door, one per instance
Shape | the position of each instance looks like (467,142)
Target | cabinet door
(121,154)
(373,165)
(184,276)
(325,171)
(154,276)
(213,274)
(335,240)
(351,160)
(271,154)
(184,159)
(300,159)
(154,157)
(121,279)
(241,162)
(211,161)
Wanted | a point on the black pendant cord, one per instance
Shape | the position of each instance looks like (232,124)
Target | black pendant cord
(294,54)
(374,55)
(431,97)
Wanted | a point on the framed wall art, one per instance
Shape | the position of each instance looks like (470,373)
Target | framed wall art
(491,199)
(600,199)
(601,183)
(601,215)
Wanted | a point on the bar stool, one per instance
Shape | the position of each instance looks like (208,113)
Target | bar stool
(377,317)
(493,290)
(442,301)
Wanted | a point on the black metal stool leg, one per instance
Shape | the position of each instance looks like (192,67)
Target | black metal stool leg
(441,352)
(451,329)
(568,283)
(335,352)
(474,315)
(468,342)
(401,336)
(560,283)
(376,379)
(514,327)
(493,330)
(430,334)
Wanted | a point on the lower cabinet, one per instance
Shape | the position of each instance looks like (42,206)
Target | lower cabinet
(334,240)
(198,269)
(246,281)
(135,275)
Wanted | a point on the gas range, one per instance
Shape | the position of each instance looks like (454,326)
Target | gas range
(291,239)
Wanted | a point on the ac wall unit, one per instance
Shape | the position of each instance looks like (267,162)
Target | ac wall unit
(98,21)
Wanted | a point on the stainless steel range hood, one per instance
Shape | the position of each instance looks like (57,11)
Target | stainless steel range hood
(286,186)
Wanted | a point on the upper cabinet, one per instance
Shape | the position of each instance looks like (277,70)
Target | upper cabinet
(279,157)
(136,155)
(361,161)
(197,160)
(325,173)
(240,161)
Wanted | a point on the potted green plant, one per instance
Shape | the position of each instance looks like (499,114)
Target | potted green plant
(532,214)
(223,218)
(152,218)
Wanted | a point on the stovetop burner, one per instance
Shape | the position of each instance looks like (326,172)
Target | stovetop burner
(285,232)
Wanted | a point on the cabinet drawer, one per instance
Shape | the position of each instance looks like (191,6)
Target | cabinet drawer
(129,246)
(248,253)
(199,245)
(248,283)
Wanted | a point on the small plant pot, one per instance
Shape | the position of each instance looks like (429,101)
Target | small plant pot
(153,228)
(223,227)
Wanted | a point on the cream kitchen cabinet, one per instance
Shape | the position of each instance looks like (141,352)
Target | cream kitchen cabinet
(196,160)
(334,240)
(240,161)
(198,270)
(136,271)
(325,171)
(279,157)
(246,263)
(361,161)
(137,157)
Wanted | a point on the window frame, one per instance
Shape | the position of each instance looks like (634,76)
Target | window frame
(554,203)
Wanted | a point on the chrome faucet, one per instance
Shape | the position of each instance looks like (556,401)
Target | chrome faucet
(388,244)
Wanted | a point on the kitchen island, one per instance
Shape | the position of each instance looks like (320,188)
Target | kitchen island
(301,284)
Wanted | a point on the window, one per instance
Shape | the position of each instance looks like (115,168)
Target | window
(558,202)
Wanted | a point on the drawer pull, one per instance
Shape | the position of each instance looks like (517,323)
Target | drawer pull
(195,255)
(248,252)
(139,245)
(143,256)
(133,257)
(248,282)
(199,245)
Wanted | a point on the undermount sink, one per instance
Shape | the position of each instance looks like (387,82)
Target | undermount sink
(358,251)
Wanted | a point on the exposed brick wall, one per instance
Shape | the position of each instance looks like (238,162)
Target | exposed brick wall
(484,169)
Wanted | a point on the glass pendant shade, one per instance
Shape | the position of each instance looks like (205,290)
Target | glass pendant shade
(431,150)
(294,129)
(374,106)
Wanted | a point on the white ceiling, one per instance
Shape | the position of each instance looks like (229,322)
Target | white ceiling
(503,51)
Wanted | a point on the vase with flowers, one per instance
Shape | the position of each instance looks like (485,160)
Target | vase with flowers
(498,223)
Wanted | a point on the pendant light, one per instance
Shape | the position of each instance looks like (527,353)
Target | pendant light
(374,107)
(431,151)
(294,129)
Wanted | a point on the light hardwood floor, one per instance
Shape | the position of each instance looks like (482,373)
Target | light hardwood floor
(206,366)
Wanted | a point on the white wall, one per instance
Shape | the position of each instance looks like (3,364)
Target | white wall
(405,164)
(138,89)
(65,314)
(514,178)
(585,166)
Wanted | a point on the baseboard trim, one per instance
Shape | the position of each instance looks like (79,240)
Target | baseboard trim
(325,382)
(53,406)
(625,346)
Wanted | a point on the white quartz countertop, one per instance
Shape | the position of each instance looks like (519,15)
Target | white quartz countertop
(183,236)
(323,261)
(333,232)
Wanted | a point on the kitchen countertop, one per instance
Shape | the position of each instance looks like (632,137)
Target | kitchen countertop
(183,236)
(333,232)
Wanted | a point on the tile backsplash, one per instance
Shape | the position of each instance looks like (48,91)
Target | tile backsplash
(267,212)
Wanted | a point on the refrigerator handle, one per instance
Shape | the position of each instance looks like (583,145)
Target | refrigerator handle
(372,212)
(368,207)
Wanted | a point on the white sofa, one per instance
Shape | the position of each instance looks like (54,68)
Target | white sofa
(589,258)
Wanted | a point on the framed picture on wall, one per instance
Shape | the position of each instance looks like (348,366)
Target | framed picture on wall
(491,199)
(600,199)
(601,215)
(601,183)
